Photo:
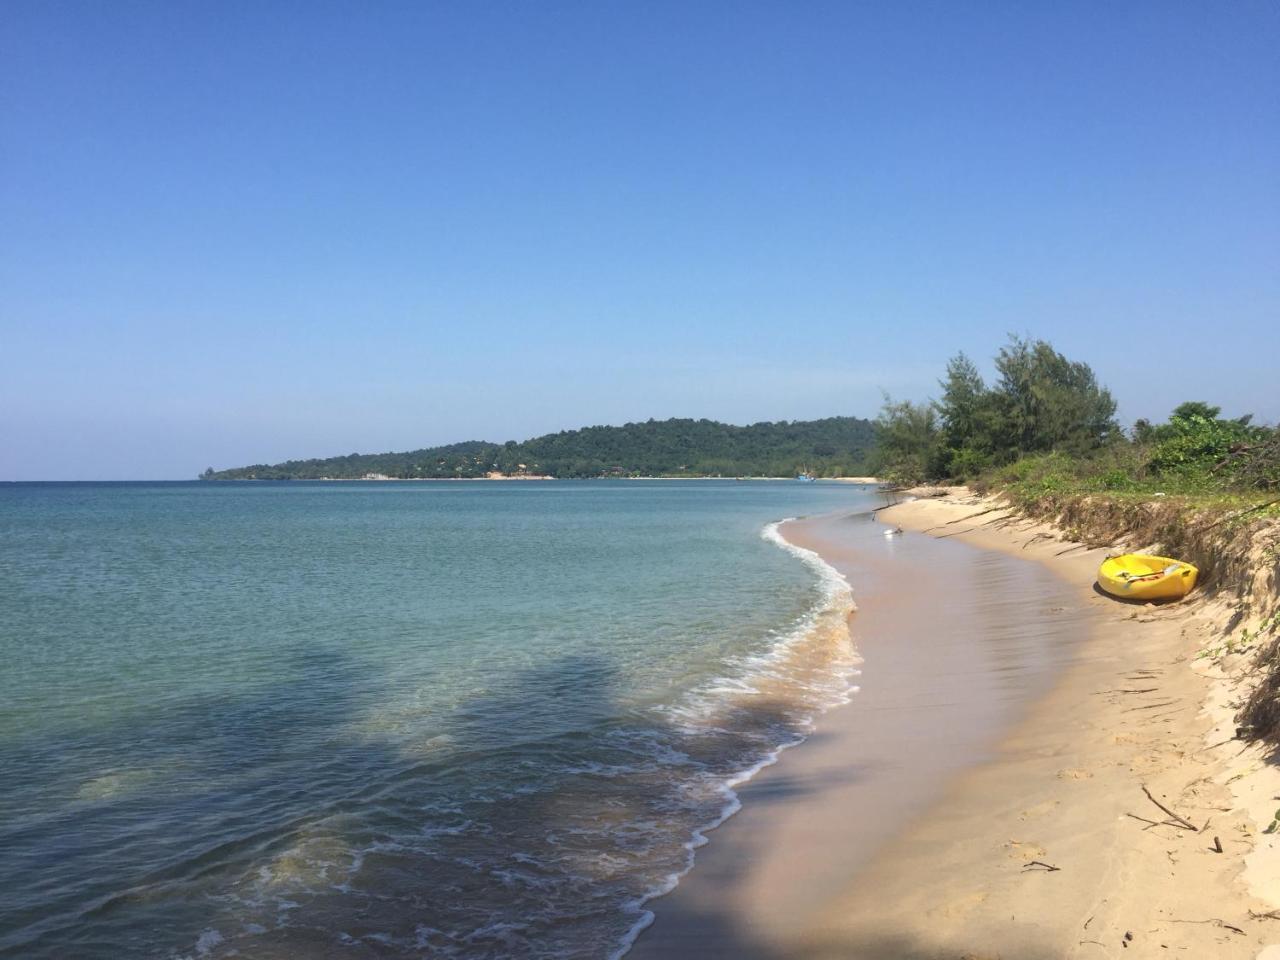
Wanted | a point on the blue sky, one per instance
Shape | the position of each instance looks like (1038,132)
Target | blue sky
(236,232)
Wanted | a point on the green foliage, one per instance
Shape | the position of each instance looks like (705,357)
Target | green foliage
(1196,447)
(1037,475)
(908,441)
(967,462)
(964,404)
(1193,445)
(1042,402)
(1047,425)
(836,446)
(1142,471)
(1195,408)
(1047,402)
(1116,479)
(970,420)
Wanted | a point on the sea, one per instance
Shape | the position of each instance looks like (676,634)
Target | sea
(391,719)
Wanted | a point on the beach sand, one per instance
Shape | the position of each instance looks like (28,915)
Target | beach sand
(982,796)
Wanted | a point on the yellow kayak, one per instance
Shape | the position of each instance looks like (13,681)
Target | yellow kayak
(1133,576)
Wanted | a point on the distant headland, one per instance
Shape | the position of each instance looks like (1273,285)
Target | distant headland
(832,447)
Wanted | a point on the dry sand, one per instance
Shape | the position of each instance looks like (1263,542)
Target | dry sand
(1020,831)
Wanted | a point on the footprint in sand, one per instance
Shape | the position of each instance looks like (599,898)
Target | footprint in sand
(1039,810)
(1143,762)
(1072,774)
(960,906)
(1128,738)
(1025,851)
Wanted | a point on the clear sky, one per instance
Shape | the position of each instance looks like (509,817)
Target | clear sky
(242,232)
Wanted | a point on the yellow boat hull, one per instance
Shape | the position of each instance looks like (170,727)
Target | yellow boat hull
(1135,576)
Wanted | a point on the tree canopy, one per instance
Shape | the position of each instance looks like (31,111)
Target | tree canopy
(1040,402)
(834,446)
(1047,413)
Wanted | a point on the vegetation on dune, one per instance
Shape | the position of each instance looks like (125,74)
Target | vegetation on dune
(836,446)
(1048,427)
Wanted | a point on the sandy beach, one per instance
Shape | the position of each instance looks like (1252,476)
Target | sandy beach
(1051,774)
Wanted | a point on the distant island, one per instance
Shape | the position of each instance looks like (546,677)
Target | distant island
(835,446)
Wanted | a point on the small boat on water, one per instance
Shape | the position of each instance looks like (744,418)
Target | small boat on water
(1135,576)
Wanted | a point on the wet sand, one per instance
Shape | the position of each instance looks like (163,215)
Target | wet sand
(979,797)
(948,663)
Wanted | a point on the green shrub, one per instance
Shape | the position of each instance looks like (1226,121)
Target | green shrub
(1117,479)
(967,463)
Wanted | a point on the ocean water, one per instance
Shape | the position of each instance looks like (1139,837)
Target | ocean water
(355,720)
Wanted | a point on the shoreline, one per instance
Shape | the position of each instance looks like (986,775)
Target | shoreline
(1045,847)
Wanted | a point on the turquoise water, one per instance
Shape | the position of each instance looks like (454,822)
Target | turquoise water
(388,719)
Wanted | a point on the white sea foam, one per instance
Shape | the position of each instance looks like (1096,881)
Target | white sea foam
(830,612)
(207,941)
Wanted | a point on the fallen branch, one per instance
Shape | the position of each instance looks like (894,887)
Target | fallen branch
(1048,867)
(1036,538)
(1237,516)
(1150,823)
(1150,706)
(1221,923)
(1180,821)
(972,515)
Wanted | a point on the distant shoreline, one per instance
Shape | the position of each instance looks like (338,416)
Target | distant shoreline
(521,478)
(677,446)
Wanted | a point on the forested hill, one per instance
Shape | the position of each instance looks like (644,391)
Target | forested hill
(836,446)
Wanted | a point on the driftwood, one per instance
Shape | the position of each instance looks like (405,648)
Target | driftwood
(1150,706)
(1221,923)
(1038,537)
(1149,823)
(972,515)
(1177,820)
(956,533)
(1048,867)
